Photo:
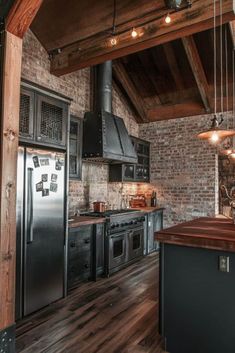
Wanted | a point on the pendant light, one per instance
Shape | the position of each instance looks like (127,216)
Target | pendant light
(114,38)
(215,133)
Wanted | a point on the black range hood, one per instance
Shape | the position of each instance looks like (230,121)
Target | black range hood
(105,137)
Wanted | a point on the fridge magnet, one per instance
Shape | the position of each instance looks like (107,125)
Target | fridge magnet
(44,162)
(60,160)
(44,178)
(39,186)
(54,177)
(45,192)
(53,187)
(36,162)
(57,165)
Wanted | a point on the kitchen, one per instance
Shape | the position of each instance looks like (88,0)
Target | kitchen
(175,178)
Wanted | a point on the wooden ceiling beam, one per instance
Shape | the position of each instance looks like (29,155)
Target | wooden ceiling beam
(232,31)
(198,71)
(122,76)
(21,16)
(181,110)
(97,49)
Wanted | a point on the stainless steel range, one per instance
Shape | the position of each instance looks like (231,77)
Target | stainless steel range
(124,238)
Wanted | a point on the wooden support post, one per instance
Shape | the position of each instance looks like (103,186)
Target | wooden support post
(11,55)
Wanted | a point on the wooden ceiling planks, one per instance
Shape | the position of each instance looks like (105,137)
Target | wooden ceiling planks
(60,23)
(96,49)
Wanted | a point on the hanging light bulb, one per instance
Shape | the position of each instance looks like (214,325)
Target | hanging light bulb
(168,19)
(113,41)
(134,33)
(215,133)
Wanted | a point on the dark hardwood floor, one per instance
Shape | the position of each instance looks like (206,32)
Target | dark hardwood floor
(114,315)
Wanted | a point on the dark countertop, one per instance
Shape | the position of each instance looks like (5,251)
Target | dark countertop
(85,220)
(148,209)
(209,233)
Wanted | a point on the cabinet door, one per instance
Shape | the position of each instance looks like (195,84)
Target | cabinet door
(157,224)
(27,102)
(99,249)
(75,148)
(151,245)
(128,172)
(52,117)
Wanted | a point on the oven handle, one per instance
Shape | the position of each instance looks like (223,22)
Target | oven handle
(118,235)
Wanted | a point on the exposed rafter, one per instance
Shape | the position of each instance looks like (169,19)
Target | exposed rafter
(96,49)
(198,71)
(121,75)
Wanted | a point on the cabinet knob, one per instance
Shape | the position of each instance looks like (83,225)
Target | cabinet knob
(86,241)
(86,266)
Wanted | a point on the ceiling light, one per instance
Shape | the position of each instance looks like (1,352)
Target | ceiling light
(113,41)
(215,133)
(168,19)
(134,33)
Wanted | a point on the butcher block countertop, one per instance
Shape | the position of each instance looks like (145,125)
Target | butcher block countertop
(85,220)
(208,233)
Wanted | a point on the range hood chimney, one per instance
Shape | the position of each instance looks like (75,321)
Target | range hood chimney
(105,137)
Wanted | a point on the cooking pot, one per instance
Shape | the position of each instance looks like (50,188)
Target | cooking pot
(99,206)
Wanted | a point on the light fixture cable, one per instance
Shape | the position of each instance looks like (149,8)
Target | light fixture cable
(215,62)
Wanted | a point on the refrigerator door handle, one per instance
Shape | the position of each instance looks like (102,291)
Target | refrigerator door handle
(29,207)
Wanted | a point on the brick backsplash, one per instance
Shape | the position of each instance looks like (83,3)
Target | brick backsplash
(94,185)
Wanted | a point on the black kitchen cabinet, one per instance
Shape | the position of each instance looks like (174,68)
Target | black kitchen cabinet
(43,117)
(27,114)
(75,148)
(139,172)
(85,253)
(154,223)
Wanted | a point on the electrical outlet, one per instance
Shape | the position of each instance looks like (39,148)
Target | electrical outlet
(224,263)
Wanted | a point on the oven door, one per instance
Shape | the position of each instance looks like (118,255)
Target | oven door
(135,243)
(117,250)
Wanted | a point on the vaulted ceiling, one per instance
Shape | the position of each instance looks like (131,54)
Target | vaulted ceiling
(166,72)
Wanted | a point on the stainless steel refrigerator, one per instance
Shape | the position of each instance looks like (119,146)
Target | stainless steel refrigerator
(40,229)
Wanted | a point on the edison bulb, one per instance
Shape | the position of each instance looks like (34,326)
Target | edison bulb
(134,33)
(113,41)
(168,19)
(214,137)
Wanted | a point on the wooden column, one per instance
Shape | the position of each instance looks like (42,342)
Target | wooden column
(9,118)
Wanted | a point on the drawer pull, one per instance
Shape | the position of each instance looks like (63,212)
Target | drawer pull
(87,241)
(86,266)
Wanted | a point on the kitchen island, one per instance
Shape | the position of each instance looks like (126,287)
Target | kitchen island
(197,286)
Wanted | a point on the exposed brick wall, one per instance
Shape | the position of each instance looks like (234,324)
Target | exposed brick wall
(36,68)
(184,169)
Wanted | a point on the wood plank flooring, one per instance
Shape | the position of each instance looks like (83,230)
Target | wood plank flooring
(114,315)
